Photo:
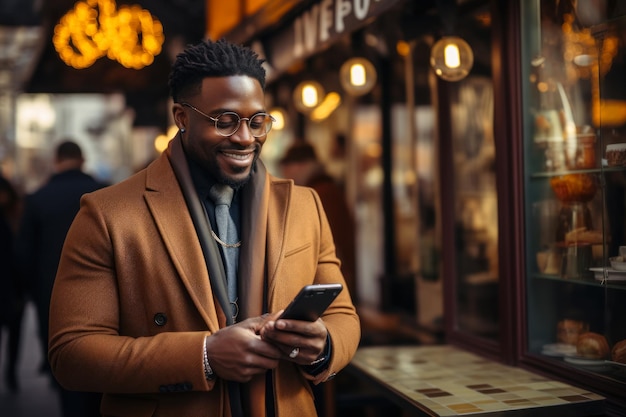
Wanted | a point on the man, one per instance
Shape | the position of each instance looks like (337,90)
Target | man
(47,216)
(144,308)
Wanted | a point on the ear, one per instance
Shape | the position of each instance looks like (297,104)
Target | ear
(180,117)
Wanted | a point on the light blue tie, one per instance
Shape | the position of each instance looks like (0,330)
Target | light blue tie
(222,196)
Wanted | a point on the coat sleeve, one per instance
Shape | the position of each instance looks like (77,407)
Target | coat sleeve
(107,296)
(310,258)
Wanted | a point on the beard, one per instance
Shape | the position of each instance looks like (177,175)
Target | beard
(210,165)
(236,184)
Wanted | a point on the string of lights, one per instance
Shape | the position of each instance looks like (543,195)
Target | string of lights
(93,29)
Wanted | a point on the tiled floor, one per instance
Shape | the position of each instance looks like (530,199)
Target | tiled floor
(36,397)
(447,381)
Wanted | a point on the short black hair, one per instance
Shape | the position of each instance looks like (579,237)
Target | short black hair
(212,59)
(68,149)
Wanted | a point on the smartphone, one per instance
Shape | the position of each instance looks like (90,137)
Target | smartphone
(311,302)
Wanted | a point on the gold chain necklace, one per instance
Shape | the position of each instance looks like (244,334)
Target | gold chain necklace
(226,245)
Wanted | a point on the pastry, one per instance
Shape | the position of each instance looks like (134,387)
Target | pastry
(568,331)
(592,345)
(618,353)
(574,187)
(616,154)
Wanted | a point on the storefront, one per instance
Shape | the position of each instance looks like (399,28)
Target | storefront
(488,207)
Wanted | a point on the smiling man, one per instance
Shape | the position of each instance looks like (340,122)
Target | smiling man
(165,313)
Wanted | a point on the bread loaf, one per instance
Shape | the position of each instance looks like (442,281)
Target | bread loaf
(618,353)
(592,345)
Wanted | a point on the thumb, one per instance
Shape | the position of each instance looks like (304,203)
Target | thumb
(266,319)
(255,324)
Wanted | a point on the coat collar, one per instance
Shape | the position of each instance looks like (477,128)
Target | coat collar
(265,200)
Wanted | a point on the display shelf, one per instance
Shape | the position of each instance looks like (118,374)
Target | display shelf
(619,286)
(603,368)
(550,174)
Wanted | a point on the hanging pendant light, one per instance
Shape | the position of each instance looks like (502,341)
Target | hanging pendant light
(451,58)
(357,76)
(308,95)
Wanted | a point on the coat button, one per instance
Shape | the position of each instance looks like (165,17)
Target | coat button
(160,319)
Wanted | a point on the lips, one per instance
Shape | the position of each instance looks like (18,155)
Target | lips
(238,160)
(238,156)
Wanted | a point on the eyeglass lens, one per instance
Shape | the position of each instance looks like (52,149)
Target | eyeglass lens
(228,123)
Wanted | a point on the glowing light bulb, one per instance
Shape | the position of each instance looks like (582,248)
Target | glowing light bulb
(452,57)
(309,96)
(357,75)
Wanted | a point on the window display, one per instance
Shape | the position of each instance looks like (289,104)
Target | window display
(574,57)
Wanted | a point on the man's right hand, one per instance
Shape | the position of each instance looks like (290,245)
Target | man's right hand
(237,352)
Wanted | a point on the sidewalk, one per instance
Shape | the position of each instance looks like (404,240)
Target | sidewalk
(36,397)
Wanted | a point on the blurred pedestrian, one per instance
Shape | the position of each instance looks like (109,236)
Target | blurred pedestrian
(48,214)
(12,292)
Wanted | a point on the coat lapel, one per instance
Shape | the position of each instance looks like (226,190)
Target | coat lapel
(276,225)
(263,226)
(165,200)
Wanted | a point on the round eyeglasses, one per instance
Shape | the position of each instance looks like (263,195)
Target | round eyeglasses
(227,123)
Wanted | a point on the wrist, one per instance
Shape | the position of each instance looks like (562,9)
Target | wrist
(322,361)
(208,371)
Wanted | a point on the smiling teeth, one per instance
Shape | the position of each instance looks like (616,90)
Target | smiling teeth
(236,156)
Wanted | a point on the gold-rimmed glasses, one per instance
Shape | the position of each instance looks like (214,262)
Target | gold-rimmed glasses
(227,123)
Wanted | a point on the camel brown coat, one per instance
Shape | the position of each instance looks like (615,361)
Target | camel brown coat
(132,301)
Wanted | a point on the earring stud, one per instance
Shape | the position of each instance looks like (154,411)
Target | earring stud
(182,130)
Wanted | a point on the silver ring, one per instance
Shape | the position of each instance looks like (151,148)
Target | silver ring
(294,353)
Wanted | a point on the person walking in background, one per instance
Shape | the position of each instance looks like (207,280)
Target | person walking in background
(47,216)
(12,290)
(302,164)
(151,306)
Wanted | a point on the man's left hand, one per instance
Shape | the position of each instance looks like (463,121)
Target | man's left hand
(301,342)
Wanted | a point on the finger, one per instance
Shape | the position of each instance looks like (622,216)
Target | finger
(274,316)
(256,324)
(287,339)
(236,353)
(306,328)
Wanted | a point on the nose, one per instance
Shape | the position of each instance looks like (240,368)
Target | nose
(243,135)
